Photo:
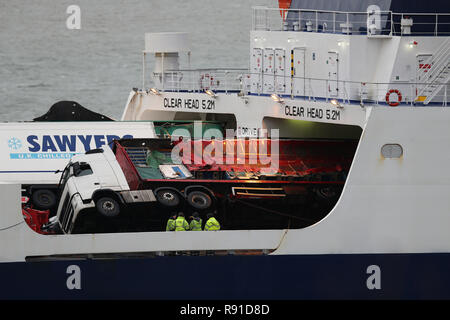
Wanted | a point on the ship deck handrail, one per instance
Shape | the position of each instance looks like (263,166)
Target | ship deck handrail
(389,23)
(192,80)
(353,12)
(289,76)
(357,91)
(207,69)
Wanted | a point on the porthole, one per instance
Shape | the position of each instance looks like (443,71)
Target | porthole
(392,150)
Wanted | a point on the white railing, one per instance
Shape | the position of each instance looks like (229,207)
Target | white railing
(385,23)
(245,83)
(313,89)
(199,80)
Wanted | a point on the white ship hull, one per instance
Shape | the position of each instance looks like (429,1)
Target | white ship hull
(389,207)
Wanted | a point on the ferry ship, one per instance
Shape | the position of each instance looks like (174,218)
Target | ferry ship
(374,71)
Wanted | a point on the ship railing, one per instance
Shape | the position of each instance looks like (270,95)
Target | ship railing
(374,23)
(346,92)
(312,89)
(199,80)
(421,24)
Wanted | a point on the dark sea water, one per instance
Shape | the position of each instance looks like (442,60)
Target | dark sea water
(42,61)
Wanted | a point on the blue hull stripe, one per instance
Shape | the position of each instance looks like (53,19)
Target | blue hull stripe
(345,276)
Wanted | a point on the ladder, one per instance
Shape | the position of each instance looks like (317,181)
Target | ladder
(438,76)
(137,155)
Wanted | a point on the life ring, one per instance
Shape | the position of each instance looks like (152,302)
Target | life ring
(206,81)
(391,103)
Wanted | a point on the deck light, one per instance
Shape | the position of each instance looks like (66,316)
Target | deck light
(276,98)
(336,103)
(342,43)
(210,93)
(154,91)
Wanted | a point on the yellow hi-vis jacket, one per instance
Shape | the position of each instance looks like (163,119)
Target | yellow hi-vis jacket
(212,224)
(196,225)
(181,224)
(170,225)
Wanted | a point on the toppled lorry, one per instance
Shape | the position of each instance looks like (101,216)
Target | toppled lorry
(251,183)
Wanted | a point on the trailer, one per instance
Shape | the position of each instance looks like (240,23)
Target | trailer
(199,178)
(138,183)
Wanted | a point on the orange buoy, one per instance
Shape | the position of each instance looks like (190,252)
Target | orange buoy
(392,103)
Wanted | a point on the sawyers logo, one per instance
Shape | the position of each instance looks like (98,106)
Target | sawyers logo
(58,146)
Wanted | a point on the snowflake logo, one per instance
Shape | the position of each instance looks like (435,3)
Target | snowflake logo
(14,143)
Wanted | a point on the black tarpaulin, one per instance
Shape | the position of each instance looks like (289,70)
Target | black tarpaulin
(71,111)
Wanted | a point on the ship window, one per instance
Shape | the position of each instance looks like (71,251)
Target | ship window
(392,150)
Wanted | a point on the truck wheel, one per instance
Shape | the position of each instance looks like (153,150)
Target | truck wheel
(44,199)
(199,200)
(168,197)
(108,207)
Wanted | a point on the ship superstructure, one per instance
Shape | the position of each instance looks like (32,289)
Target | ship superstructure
(319,65)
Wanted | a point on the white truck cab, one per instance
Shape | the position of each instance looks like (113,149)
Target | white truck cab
(93,180)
